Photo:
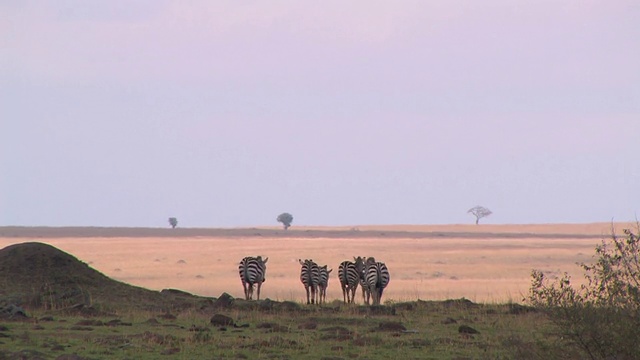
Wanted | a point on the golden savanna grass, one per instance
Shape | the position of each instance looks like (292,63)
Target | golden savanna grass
(494,267)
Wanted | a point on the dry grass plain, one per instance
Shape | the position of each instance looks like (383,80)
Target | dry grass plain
(486,263)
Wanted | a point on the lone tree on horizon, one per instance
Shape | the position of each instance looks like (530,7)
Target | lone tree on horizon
(479,212)
(173,222)
(286,219)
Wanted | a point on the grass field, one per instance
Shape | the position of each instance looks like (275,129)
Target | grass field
(489,265)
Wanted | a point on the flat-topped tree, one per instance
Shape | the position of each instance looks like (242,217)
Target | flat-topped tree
(479,212)
(173,222)
(286,219)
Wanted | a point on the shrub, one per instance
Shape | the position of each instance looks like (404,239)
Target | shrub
(601,318)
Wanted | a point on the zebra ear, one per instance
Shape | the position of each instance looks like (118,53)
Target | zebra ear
(329,272)
(265,260)
(301,262)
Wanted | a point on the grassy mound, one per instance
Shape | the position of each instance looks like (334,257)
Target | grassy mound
(40,276)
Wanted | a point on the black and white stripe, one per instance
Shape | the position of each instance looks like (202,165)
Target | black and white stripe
(376,278)
(252,271)
(310,277)
(323,283)
(350,274)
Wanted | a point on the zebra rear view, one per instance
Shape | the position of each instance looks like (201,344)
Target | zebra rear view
(323,284)
(310,277)
(377,278)
(350,274)
(252,272)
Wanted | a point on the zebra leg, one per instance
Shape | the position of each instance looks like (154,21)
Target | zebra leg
(353,293)
(307,289)
(259,286)
(345,293)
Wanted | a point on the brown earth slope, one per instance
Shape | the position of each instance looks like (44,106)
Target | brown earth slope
(37,275)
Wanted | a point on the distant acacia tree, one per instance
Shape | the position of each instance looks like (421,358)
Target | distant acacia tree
(479,212)
(286,219)
(173,222)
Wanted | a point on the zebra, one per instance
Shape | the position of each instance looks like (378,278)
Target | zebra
(366,292)
(377,278)
(310,277)
(350,274)
(323,283)
(252,271)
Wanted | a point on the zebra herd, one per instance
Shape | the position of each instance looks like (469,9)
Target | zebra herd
(371,275)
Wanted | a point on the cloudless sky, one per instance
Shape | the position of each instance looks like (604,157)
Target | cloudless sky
(227,113)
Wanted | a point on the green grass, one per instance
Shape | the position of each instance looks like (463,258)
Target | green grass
(333,331)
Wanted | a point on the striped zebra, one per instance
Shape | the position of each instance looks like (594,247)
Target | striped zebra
(252,271)
(377,278)
(366,293)
(323,283)
(350,274)
(310,277)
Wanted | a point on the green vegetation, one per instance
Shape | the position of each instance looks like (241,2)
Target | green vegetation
(601,319)
(454,329)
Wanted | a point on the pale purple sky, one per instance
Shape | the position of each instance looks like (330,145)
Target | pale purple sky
(227,113)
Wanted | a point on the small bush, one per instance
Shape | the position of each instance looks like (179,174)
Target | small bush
(600,319)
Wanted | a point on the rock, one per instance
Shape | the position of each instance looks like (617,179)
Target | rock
(223,302)
(221,320)
(12,312)
(465,329)
(393,326)
(448,321)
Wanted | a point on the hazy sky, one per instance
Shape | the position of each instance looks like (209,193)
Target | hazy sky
(227,113)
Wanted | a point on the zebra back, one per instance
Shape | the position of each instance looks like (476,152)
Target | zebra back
(252,270)
(376,279)
(310,277)
(309,273)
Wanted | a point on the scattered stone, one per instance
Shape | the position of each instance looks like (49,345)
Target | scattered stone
(223,302)
(12,312)
(272,327)
(465,329)
(81,328)
(221,320)
(393,326)
(448,321)
(152,321)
